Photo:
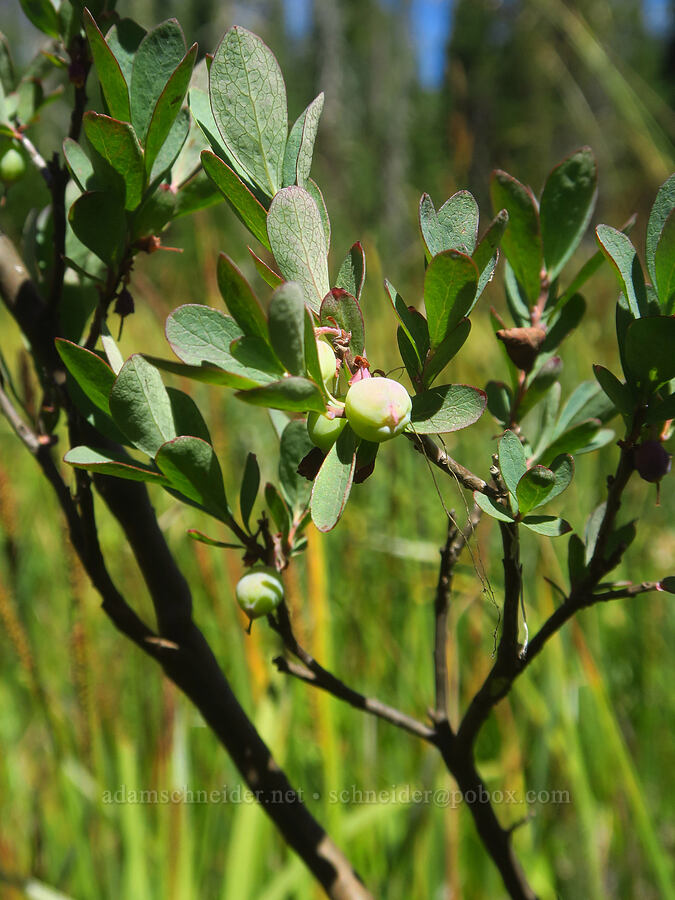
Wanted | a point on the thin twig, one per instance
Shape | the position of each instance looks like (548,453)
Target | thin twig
(313,673)
(442,460)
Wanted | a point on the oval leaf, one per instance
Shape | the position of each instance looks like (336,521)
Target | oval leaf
(449,290)
(567,204)
(248,99)
(521,242)
(333,483)
(192,468)
(448,408)
(140,405)
(298,242)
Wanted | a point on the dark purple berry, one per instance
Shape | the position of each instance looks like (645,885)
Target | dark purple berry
(652,460)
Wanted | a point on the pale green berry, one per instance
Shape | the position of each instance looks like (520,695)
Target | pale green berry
(12,166)
(327,363)
(377,408)
(323,432)
(260,591)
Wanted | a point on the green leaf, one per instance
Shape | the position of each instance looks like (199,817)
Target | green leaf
(547,525)
(618,392)
(108,69)
(293,393)
(278,509)
(333,483)
(621,253)
(344,308)
(577,407)
(198,192)
(116,143)
(248,97)
(153,215)
(172,147)
(242,378)
(592,531)
(563,469)
(512,461)
(314,192)
(98,220)
(567,204)
(268,275)
(93,375)
(120,465)
(287,326)
(661,410)
(447,408)
(294,446)
(300,145)
(211,542)
(663,206)
(124,39)
(352,272)
(187,419)
(579,439)
(298,242)
(193,469)
(202,336)
(534,488)
(575,560)
(449,289)
(539,383)
(567,319)
(499,401)
(140,405)
(250,483)
(312,364)
(491,508)
(488,245)
(650,351)
(515,298)
(409,355)
(486,254)
(521,242)
(156,59)
(439,358)
(111,349)
(255,354)
(453,227)
(664,265)
(240,299)
(167,107)
(79,165)
(43,15)
(413,324)
(246,207)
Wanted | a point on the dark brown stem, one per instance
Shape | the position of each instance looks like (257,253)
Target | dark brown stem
(439,458)
(454,545)
(313,673)
(508,667)
(495,838)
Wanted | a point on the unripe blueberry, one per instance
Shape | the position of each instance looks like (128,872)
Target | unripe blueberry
(652,460)
(259,591)
(327,363)
(12,166)
(323,432)
(378,408)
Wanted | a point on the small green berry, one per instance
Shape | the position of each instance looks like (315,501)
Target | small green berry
(323,432)
(378,408)
(259,591)
(327,363)
(12,166)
